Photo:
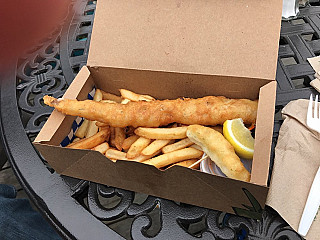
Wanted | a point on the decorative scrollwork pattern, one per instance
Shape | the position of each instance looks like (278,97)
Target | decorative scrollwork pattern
(272,226)
(38,75)
(100,211)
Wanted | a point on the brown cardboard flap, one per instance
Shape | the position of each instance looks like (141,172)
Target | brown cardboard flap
(57,155)
(93,166)
(218,37)
(79,89)
(263,134)
(170,85)
(83,81)
(56,128)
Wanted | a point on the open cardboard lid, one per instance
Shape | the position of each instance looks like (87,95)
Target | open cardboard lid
(215,37)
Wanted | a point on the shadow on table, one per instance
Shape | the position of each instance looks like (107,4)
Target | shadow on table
(3,156)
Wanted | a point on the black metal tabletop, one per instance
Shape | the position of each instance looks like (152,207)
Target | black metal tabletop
(83,210)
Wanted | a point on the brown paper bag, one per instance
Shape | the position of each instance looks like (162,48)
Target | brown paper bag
(315,64)
(297,158)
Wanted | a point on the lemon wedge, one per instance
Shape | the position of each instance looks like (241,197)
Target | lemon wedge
(239,137)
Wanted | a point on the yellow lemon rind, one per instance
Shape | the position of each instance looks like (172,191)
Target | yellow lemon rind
(240,149)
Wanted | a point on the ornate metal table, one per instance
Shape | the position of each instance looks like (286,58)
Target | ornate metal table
(82,210)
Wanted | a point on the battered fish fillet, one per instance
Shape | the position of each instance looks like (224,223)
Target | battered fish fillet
(219,150)
(208,110)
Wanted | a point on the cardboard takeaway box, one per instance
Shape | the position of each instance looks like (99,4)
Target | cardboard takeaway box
(171,49)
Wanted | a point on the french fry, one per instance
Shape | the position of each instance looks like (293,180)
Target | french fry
(92,127)
(112,137)
(129,141)
(187,163)
(162,133)
(97,95)
(100,128)
(196,147)
(174,157)
(107,101)
(155,146)
(119,137)
(142,158)
(134,96)
(125,101)
(137,147)
(130,130)
(115,154)
(76,140)
(82,130)
(92,141)
(103,147)
(110,96)
(178,145)
(73,143)
(101,124)
(174,125)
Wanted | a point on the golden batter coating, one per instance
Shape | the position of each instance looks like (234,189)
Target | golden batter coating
(219,150)
(208,110)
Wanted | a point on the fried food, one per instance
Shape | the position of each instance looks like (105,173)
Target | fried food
(100,124)
(162,133)
(137,147)
(92,127)
(93,141)
(155,146)
(115,154)
(125,101)
(196,147)
(134,96)
(142,158)
(219,150)
(174,157)
(218,128)
(76,140)
(129,141)
(97,95)
(103,147)
(188,163)
(119,136)
(107,101)
(130,124)
(208,110)
(82,130)
(178,145)
(110,96)
(112,137)
(130,130)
